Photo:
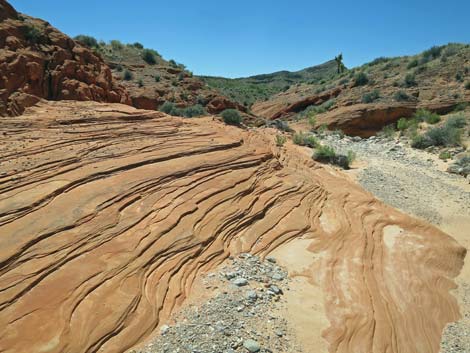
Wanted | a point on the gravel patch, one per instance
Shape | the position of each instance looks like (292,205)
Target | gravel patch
(245,317)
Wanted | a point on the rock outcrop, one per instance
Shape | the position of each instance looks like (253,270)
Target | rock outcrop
(108,214)
(367,119)
(38,61)
(275,109)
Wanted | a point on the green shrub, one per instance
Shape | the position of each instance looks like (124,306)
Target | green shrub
(327,154)
(119,68)
(280,140)
(351,157)
(116,45)
(231,117)
(413,63)
(456,121)
(445,155)
(427,116)
(32,34)
(388,131)
(467,85)
(140,83)
(194,111)
(157,78)
(302,139)
(312,119)
(460,107)
(181,76)
(445,135)
(371,96)
(149,57)
(167,107)
(361,79)
(138,45)
(402,124)
(459,77)
(432,53)
(128,75)
(401,96)
(88,41)
(410,80)
(173,63)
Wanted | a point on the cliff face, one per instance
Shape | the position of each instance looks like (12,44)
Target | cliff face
(38,61)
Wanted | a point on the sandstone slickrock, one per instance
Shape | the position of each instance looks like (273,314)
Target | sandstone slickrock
(108,214)
(38,61)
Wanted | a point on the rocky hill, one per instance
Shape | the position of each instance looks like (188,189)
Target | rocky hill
(151,80)
(38,61)
(250,90)
(364,99)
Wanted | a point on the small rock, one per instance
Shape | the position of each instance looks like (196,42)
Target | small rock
(240,282)
(251,295)
(277,277)
(275,289)
(271,259)
(164,329)
(251,345)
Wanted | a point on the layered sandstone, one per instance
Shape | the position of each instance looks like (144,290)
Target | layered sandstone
(38,61)
(108,214)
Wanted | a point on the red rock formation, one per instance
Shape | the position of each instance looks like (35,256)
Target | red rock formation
(108,213)
(367,119)
(276,109)
(38,60)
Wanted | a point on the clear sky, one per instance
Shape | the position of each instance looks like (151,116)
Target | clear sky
(246,37)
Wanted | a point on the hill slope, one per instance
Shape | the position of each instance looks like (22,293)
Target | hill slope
(252,89)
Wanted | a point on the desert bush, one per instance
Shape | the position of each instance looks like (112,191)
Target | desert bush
(119,68)
(445,135)
(140,83)
(401,96)
(116,45)
(173,63)
(138,45)
(302,139)
(33,34)
(181,76)
(404,124)
(89,41)
(467,85)
(280,125)
(231,117)
(460,107)
(280,140)
(413,63)
(194,111)
(371,96)
(427,116)
(432,53)
(327,154)
(312,119)
(360,79)
(128,75)
(168,107)
(445,155)
(456,121)
(410,80)
(149,57)
(459,77)
(387,131)
(351,157)
(420,69)
(379,60)
(157,78)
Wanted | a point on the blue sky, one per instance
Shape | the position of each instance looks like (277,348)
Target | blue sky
(247,37)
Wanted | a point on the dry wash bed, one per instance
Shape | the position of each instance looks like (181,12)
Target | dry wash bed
(107,214)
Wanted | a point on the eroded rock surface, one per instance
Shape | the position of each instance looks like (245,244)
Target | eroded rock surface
(108,214)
